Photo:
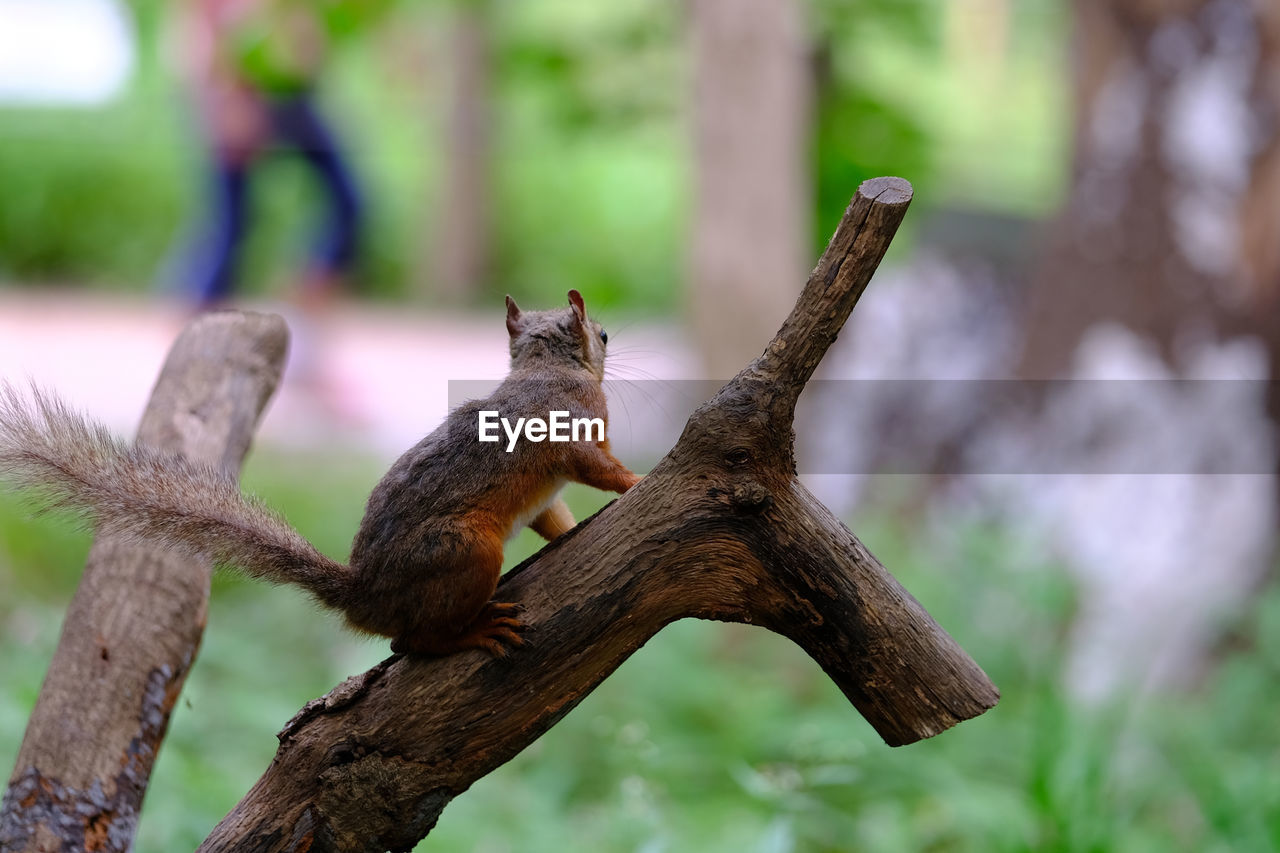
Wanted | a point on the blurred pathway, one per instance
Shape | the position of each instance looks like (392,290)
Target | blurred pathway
(389,367)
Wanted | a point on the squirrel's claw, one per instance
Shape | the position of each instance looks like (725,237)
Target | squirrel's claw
(497,636)
(495,630)
(494,608)
(498,640)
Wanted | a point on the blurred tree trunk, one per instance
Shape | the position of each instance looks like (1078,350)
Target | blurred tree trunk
(1169,235)
(1172,223)
(751,219)
(461,250)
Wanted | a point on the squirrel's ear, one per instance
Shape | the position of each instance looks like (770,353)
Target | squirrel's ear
(579,310)
(514,324)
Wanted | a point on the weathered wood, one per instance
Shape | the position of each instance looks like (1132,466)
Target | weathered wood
(835,285)
(720,529)
(134,625)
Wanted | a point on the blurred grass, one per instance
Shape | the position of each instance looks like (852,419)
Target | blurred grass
(719,737)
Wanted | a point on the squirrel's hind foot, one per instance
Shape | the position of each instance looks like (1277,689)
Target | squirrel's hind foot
(494,630)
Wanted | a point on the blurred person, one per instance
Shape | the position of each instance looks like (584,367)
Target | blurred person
(252,69)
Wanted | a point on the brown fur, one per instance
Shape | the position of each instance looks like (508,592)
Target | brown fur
(427,557)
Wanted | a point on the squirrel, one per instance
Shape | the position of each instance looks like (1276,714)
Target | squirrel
(425,562)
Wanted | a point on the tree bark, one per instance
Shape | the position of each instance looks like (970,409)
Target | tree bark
(720,529)
(134,625)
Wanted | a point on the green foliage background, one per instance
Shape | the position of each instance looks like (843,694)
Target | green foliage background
(591,154)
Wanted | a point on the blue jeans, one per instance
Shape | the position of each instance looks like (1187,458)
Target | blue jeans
(296,126)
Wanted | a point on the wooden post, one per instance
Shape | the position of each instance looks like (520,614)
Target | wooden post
(720,529)
(134,625)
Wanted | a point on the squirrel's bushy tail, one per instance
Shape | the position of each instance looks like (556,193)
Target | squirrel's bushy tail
(145,496)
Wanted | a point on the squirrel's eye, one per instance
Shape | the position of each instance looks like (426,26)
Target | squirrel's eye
(604,336)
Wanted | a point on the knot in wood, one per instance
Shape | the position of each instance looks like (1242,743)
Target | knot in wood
(751,496)
(344,751)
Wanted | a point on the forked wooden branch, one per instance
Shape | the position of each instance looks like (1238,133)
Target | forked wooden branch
(720,529)
(132,630)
